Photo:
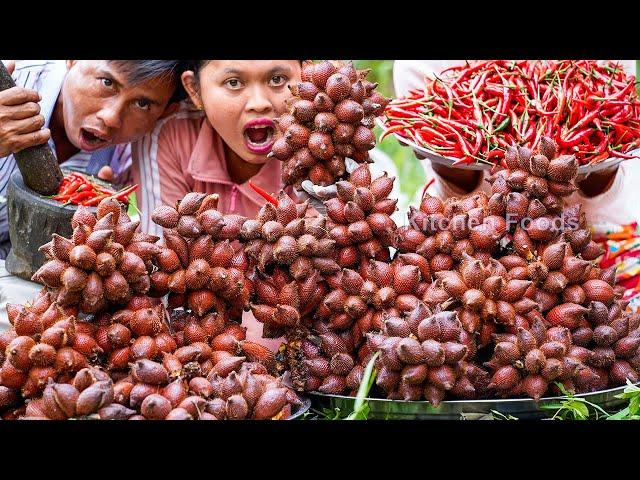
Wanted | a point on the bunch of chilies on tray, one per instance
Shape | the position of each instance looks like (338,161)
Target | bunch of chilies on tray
(475,297)
(471,113)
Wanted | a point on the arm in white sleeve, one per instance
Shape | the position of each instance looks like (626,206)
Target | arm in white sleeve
(409,74)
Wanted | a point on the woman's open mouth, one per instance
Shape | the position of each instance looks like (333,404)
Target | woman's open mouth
(259,136)
(90,140)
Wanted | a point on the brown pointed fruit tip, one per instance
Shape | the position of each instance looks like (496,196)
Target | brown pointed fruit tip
(627,347)
(534,361)
(505,353)
(147,371)
(305,90)
(621,371)
(505,378)
(115,411)
(535,386)
(442,377)
(598,291)
(414,374)
(566,315)
(410,351)
(165,216)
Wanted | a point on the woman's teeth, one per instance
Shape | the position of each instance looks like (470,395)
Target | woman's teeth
(259,135)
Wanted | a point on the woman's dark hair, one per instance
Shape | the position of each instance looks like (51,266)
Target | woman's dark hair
(197,65)
(139,71)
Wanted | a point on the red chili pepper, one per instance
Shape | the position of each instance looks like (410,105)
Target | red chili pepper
(478,143)
(574,139)
(566,93)
(72,187)
(78,197)
(495,153)
(263,193)
(61,198)
(586,119)
(623,115)
(126,192)
(94,201)
(393,129)
(462,161)
(101,189)
(599,158)
(427,133)
(399,112)
(615,153)
(427,185)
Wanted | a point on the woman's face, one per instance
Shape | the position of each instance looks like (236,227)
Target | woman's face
(241,98)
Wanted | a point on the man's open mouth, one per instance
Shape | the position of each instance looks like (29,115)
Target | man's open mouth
(92,139)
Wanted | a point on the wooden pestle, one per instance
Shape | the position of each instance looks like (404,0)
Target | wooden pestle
(38,165)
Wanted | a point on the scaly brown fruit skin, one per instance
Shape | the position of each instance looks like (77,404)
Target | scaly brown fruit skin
(331,117)
(330,283)
(102,246)
(542,268)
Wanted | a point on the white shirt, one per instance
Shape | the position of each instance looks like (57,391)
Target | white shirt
(620,204)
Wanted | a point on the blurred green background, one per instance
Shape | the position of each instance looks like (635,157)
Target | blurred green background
(410,173)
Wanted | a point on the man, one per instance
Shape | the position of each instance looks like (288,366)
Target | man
(87,110)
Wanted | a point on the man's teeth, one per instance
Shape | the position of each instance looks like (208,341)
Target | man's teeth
(91,137)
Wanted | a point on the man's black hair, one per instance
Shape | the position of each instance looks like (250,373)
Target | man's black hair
(140,71)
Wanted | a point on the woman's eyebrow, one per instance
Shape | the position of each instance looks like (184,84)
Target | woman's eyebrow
(280,68)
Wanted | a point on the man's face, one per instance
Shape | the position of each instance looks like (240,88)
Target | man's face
(102,108)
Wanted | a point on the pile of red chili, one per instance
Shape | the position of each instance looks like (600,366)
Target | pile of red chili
(79,189)
(472,112)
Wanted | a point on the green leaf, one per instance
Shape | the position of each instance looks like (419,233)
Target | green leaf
(580,408)
(621,415)
(563,389)
(634,405)
(361,406)
(501,416)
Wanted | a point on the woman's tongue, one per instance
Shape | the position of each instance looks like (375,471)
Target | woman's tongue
(257,135)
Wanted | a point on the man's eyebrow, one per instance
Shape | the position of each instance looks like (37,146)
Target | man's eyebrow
(119,84)
(232,71)
(150,100)
(108,74)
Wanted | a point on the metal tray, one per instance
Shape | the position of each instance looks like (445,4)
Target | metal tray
(302,409)
(522,408)
(448,161)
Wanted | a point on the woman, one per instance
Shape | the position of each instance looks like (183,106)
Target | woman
(218,141)
(219,145)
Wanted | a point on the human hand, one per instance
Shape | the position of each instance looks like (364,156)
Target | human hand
(317,194)
(106,173)
(20,120)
